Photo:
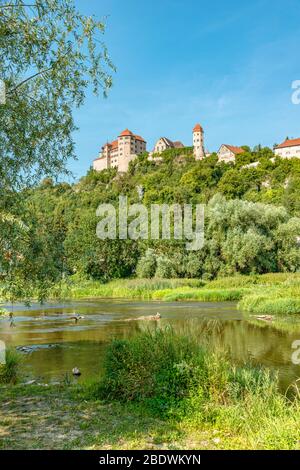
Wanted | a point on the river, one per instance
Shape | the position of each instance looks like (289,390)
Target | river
(53,343)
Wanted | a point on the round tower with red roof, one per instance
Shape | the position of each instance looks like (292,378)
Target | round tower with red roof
(198,142)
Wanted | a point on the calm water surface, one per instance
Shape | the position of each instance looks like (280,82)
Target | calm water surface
(55,343)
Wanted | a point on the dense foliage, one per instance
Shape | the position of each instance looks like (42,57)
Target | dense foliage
(252,220)
(173,375)
(49,55)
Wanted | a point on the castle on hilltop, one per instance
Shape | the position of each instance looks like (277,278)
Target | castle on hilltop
(198,142)
(119,153)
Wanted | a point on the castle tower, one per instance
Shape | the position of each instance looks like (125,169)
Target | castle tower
(125,141)
(127,149)
(198,142)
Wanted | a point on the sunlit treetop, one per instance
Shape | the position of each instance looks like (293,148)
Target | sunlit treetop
(49,55)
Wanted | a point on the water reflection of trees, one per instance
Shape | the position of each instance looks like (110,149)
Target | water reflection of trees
(83,344)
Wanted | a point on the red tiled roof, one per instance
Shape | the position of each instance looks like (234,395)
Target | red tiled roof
(198,128)
(108,144)
(178,145)
(114,144)
(138,137)
(289,143)
(234,149)
(127,132)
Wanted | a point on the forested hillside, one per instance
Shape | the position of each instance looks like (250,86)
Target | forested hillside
(252,219)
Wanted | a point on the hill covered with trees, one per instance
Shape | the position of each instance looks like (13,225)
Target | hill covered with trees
(252,220)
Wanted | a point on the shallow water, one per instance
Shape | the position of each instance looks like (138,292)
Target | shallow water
(53,343)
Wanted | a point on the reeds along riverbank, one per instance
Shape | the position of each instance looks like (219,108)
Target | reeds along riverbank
(274,293)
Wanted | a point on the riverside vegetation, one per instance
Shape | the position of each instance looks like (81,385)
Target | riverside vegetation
(160,390)
(252,226)
(251,256)
(48,247)
(272,294)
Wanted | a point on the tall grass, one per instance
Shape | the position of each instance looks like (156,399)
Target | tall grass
(273,293)
(10,371)
(270,305)
(172,375)
(255,280)
(143,289)
(204,295)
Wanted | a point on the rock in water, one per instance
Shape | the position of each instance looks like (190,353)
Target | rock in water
(76,371)
(265,317)
(30,382)
(150,317)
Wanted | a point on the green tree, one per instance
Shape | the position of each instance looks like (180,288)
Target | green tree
(49,55)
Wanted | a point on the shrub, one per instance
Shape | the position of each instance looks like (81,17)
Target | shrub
(152,365)
(10,371)
(165,269)
(172,374)
(146,265)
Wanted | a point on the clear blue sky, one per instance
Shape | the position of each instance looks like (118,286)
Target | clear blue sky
(226,64)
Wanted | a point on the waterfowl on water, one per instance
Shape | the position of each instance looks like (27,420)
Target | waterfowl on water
(76,318)
(76,371)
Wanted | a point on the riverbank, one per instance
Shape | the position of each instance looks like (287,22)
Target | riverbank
(70,417)
(157,390)
(271,294)
(59,418)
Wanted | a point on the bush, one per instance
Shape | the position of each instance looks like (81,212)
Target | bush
(10,371)
(165,269)
(146,265)
(172,374)
(150,366)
